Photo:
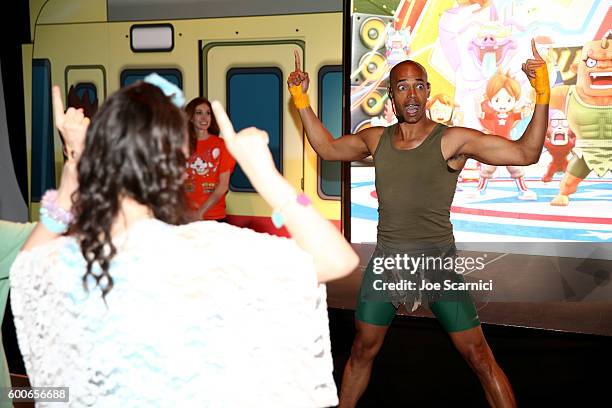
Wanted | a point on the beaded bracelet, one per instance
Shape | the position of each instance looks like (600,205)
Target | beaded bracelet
(52,216)
(277,216)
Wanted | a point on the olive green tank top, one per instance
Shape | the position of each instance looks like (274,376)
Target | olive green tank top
(415,190)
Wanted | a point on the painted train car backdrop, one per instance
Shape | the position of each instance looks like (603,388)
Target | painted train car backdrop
(92,48)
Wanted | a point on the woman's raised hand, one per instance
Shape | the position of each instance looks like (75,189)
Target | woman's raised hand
(72,125)
(249,146)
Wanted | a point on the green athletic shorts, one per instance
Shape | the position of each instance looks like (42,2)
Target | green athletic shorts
(456,314)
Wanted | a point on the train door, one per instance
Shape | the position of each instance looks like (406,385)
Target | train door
(249,79)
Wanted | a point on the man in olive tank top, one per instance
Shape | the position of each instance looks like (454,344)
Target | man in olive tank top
(417,163)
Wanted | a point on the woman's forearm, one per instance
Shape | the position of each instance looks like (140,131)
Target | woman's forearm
(213,199)
(334,257)
(68,185)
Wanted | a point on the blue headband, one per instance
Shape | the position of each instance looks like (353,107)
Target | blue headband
(168,88)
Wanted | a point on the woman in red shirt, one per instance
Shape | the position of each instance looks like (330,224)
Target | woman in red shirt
(209,165)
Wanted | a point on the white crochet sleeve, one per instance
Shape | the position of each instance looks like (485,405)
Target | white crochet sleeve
(199,315)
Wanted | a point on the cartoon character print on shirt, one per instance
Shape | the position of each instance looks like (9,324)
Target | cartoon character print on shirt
(199,166)
(203,165)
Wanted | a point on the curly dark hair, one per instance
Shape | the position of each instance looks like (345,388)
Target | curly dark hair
(190,110)
(134,148)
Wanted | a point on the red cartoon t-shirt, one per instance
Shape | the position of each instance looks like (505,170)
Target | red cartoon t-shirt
(496,123)
(204,166)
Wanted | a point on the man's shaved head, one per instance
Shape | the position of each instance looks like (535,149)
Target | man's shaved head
(408,90)
(404,64)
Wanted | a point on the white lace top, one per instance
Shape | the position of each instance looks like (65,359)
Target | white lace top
(201,315)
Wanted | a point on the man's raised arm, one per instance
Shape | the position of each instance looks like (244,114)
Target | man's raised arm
(345,148)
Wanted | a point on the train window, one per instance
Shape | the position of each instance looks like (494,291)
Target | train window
(129,76)
(254,98)
(86,91)
(84,95)
(330,112)
(43,166)
(152,38)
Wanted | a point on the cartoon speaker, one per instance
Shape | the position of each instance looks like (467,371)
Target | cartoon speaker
(371,31)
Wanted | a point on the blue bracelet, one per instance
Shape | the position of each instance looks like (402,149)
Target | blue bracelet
(277,217)
(53,225)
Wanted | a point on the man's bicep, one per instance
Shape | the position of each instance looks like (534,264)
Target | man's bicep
(489,149)
(351,147)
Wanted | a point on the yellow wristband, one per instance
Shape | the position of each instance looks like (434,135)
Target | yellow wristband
(300,99)
(541,85)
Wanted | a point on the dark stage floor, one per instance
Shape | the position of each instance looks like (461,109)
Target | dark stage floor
(419,366)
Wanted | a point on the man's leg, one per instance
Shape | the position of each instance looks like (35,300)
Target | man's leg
(460,320)
(473,347)
(372,319)
(358,368)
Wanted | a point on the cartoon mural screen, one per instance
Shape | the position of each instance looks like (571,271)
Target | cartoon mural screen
(473,51)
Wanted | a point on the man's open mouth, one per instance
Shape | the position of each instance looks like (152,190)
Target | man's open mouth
(601,80)
(411,109)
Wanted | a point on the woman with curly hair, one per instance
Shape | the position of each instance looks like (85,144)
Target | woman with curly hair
(130,307)
(209,164)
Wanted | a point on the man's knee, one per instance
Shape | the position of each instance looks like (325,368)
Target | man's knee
(366,345)
(479,357)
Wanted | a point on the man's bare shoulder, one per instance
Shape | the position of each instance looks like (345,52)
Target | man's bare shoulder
(460,133)
(371,136)
(454,138)
(459,130)
(371,131)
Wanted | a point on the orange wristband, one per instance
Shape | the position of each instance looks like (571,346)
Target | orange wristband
(541,85)
(300,99)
